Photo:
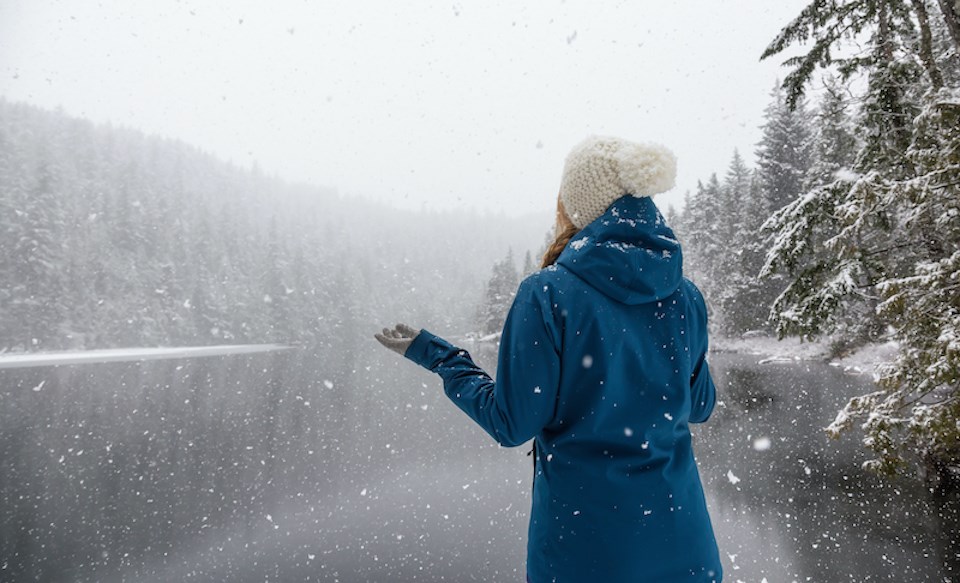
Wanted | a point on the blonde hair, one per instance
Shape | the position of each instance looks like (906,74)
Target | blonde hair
(563,232)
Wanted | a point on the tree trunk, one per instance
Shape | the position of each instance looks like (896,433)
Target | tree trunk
(926,45)
(951,14)
(884,45)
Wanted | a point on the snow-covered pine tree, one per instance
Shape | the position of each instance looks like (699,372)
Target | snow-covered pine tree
(755,295)
(888,231)
(745,301)
(833,288)
(834,145)
(783,154)
(918,407)
(671,215)
(528,265)
(679,224)
(702,238)
(826,25)
(501,289)
(809,303)
(729,278)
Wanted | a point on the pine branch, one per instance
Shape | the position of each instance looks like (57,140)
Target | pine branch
(891,248)
(947,185)
(910,404)
(796,30)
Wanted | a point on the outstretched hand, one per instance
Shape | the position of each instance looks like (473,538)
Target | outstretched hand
(398,339)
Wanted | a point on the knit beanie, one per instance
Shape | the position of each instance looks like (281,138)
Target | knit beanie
(601,169)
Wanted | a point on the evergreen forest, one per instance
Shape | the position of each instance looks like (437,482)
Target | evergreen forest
(846,226)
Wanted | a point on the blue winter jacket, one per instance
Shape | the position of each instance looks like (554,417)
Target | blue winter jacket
(602,360)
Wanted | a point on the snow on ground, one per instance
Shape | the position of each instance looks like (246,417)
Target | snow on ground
(22,360)
(770,350)
(867,359)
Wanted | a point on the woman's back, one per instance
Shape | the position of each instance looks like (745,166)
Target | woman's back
(616,492)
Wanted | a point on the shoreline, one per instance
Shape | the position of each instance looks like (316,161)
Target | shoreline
(864,360)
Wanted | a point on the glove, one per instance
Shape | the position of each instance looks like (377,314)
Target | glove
(399,339)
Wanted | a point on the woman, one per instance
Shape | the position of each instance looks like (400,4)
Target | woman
(603,362)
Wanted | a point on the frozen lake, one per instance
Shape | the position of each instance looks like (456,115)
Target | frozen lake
(270,467)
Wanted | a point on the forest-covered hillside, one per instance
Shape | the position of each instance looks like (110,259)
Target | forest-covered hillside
(113,238)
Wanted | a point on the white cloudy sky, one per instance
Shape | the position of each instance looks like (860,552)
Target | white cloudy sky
(420,103)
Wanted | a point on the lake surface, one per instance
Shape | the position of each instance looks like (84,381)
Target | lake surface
(277,467)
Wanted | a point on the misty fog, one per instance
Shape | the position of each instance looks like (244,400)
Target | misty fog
(208,210)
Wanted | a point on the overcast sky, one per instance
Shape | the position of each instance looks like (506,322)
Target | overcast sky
(423,104)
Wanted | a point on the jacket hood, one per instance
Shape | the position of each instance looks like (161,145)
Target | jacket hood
(628,253)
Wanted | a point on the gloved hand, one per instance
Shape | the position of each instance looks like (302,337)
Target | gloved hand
(398,339)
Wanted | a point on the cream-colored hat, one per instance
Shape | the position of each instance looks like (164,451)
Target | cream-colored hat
(601,169)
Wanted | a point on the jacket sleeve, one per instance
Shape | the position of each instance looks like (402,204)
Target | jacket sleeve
(523,399)
(703,393)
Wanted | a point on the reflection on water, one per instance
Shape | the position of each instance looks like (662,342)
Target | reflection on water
(790,504)
(273,467)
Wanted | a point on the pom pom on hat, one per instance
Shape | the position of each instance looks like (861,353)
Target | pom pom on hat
(601,169)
